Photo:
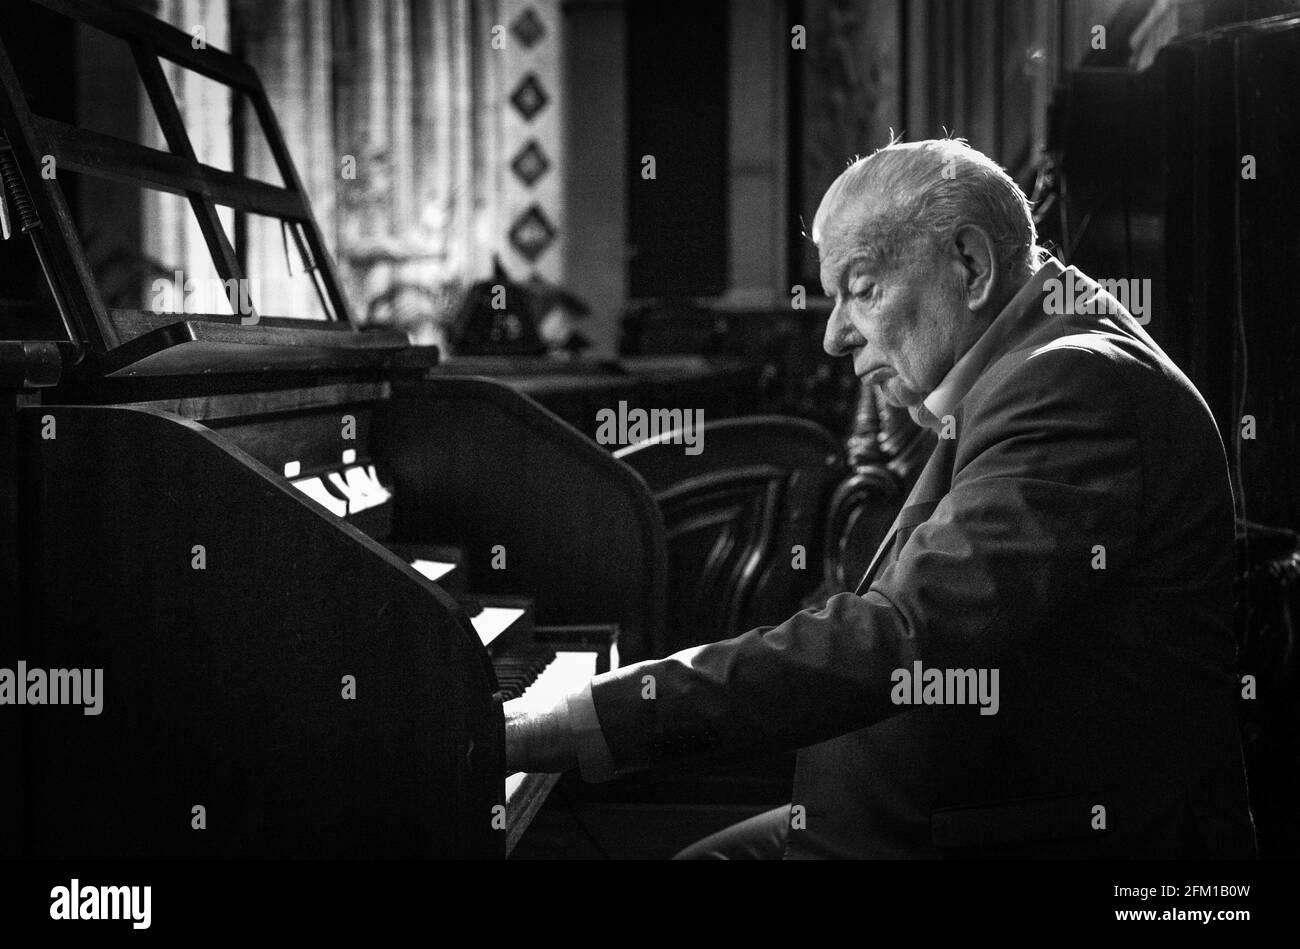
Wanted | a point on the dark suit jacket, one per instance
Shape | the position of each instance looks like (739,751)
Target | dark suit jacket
(1117,729)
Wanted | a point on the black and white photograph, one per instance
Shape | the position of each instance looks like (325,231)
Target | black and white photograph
(444,433)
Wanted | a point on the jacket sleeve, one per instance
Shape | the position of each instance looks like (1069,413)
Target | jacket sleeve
(1046,469)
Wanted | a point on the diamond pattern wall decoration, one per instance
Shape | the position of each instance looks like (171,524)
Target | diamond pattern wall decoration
(529,230)
(528,28)
(532,233)
(529,97)
(531,163)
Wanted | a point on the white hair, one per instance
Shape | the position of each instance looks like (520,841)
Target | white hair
(907,191)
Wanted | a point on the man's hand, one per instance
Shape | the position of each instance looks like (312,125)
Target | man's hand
(539,738)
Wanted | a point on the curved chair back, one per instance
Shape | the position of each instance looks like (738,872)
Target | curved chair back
(743,518)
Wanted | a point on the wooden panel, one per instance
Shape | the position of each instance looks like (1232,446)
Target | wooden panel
(93,153)
(178,140)
(177,170)
(175,44)
(57,243)
(478,464)
(222,686)
(193,346)
(1267,295)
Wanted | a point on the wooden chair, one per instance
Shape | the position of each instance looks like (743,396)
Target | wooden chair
(886,452)
(743,518)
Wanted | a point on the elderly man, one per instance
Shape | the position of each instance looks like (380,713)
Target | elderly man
(1040,661)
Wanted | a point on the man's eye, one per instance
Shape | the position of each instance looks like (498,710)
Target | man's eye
(862,292)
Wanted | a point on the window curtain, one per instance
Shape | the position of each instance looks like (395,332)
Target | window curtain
(450,109)
(414,223)
(427,133)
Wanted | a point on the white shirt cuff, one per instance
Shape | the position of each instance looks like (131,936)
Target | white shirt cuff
(595,762)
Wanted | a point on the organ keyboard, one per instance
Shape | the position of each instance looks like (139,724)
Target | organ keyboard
(310,567)
(523,667)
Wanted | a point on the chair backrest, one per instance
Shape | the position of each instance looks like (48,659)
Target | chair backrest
(887,451)
(744,519)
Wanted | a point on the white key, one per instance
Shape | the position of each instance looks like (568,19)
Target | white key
(364,483)
(356,502)
(493,621)
(567,673)
(433,569)
(315,489)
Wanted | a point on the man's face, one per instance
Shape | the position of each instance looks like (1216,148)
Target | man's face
(898,320)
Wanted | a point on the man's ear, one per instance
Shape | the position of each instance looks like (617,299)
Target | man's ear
(976,256)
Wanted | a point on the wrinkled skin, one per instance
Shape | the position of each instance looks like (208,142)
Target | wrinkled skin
(906,323)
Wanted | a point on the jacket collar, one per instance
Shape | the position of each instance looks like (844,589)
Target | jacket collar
(1009,325)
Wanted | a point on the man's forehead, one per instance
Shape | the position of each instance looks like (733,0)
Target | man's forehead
(844,245)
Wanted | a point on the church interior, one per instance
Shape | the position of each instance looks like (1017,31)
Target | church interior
(343,345)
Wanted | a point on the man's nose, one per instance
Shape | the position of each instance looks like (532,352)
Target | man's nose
(839,338)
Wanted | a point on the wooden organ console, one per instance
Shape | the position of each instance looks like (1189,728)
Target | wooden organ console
(310,567)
